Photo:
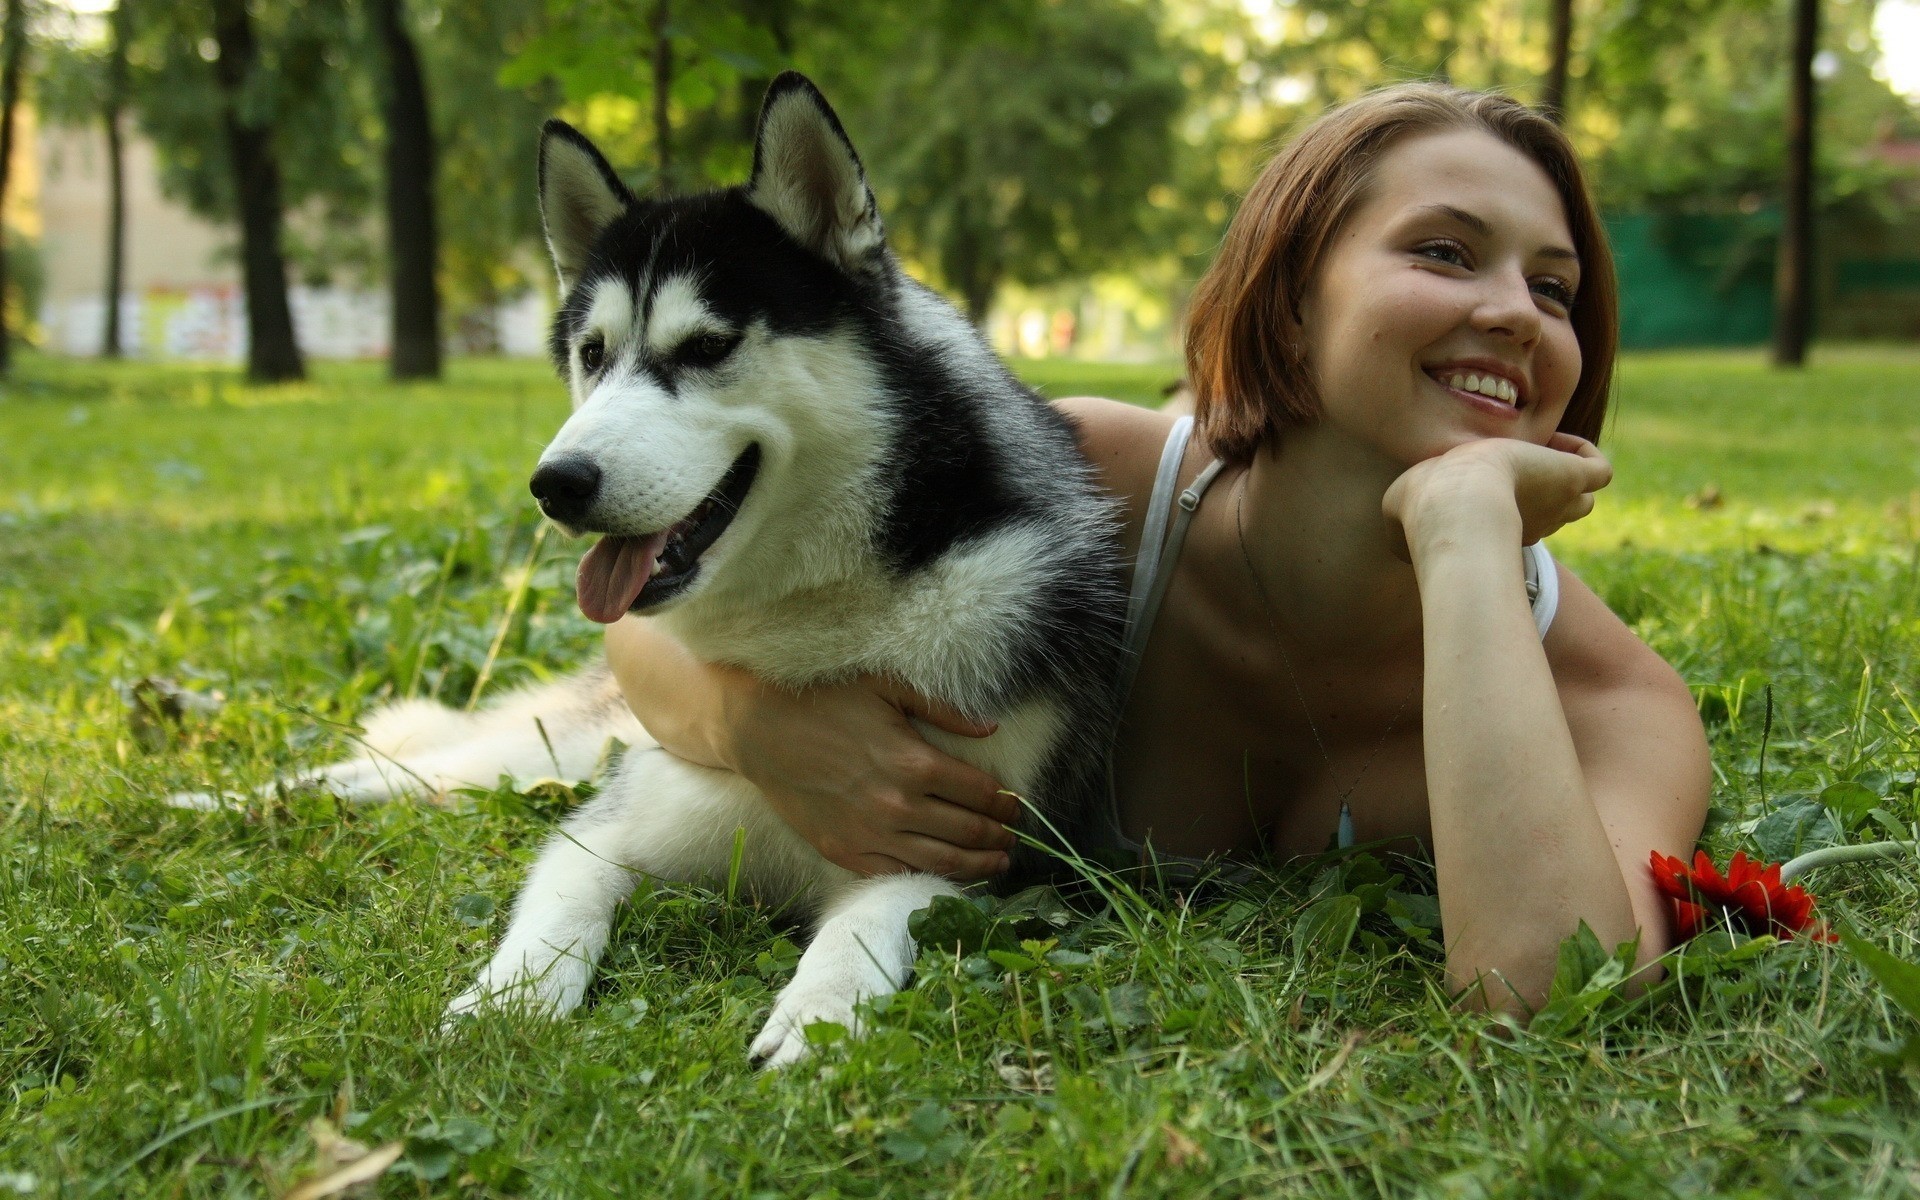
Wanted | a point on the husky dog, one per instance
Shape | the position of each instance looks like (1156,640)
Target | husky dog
(803,463)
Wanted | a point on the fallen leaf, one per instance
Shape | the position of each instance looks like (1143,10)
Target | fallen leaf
(342,1165)
(1023,1072)
(156,708)
(1181,1149)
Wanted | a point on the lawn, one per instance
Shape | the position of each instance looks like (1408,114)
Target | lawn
(191,1003)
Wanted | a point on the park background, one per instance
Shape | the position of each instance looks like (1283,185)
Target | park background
(1064,169)
(300,490)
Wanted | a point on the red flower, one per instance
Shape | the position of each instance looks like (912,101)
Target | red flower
(1750,896)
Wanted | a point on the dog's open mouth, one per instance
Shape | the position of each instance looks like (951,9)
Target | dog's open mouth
(628,574)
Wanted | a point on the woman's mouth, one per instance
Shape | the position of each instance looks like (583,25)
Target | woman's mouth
(1479,388)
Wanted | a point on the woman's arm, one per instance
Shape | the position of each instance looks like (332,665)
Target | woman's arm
(842,764)
(1536,827)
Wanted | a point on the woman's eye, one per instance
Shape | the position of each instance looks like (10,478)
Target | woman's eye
(1451,253)
(707,349)
(593,354)
(1556,290)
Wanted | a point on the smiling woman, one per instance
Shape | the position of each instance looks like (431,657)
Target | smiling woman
(1342,626)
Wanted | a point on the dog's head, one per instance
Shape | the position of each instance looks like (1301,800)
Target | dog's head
(705,342)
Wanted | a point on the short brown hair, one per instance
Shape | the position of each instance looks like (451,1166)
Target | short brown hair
(1249,382)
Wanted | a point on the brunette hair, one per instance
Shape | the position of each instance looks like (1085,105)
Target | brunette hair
(1250,383)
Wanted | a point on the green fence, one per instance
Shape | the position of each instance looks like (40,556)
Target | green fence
(1700,280)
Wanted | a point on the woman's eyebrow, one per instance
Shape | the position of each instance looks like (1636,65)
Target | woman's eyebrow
(1480,226)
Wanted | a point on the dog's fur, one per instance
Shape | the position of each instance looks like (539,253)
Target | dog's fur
(917,513)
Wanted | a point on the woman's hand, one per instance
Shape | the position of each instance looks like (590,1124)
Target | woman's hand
(1495,484)
(844,767)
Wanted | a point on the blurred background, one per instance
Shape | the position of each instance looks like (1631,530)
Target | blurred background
(264,183)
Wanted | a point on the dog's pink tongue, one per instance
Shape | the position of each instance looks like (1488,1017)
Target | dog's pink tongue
(613,572)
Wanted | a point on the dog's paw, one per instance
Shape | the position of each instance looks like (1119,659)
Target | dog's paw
(206,801)
(551,993)
(783,1041)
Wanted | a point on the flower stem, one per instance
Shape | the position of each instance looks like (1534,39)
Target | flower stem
(1843,854)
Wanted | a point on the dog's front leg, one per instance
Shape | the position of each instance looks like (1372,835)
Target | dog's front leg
(656,815)
(561,920)
(862,949)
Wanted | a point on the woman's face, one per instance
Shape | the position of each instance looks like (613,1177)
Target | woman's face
(1453,278)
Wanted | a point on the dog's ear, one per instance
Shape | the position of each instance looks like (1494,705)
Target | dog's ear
(579,197)
(807,177)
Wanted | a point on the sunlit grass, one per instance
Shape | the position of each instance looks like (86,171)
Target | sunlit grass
(181,993)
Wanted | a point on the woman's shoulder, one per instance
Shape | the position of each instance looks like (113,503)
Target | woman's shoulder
(1124,443)
(1595,654)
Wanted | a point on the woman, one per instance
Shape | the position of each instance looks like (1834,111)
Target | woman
(1343,625)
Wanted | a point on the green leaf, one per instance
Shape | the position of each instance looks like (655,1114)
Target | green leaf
(1900,978)
(1795,828)
(473,909)
(952,923)
(434,1149)
(1127,1005)
(929,1120)
(1566,1014)
(906,1148)
(1850,801)
(778,959)
(1581,956)
(825,1033)
(1012,960)
(1036,912)
(1327,926)
(1880,783)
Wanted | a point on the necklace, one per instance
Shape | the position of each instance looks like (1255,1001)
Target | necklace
(1293,676)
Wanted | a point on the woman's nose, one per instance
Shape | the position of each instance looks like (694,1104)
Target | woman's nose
(1508,307)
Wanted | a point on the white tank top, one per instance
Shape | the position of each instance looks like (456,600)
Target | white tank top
(1161,537)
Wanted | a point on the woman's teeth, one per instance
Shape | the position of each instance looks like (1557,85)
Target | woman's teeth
(1486,385)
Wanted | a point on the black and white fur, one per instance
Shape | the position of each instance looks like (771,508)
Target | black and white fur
(917,513)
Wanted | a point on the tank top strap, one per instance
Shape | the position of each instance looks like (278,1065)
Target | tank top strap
(1153,532)
(1161,536)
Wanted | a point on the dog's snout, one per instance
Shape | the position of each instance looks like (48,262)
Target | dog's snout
(565,487)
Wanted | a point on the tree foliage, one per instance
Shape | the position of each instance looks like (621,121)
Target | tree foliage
(1026,155)
(1012,141)
(323,113)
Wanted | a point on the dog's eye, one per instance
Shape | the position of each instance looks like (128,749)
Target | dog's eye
(706,349)
(593,354)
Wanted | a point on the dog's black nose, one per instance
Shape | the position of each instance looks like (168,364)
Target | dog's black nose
(565,487)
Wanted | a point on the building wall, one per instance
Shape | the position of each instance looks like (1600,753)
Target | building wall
(181,296)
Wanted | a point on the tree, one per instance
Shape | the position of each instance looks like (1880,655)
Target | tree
(412,238)
(299,105)
(685,66)
(1553,95)
(113,103)
(1025,155)
(272,354)
(1793,268)
(13,57)
(485,138)
(662,93)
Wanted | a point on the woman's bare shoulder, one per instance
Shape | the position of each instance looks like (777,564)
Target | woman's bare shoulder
(1123,442)
(1622,700)
(1591,648)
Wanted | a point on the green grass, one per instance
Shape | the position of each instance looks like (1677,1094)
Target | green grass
(181,993)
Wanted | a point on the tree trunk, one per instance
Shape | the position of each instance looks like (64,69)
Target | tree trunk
(116,182)
(662,85)
(1793,272)
(978,295)
(412,243)
(1553,97)
(272,354)
(14,31)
